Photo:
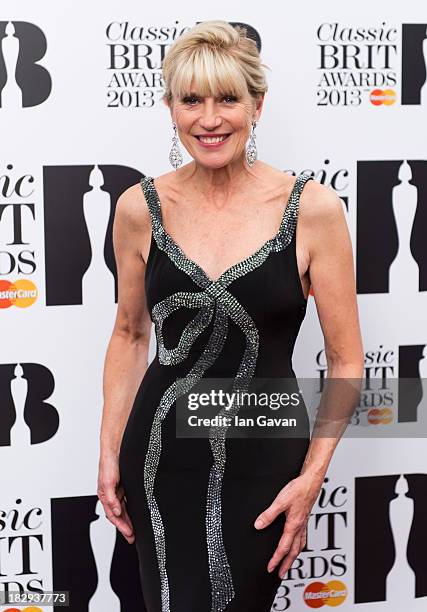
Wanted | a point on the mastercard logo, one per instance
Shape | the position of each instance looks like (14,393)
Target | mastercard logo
(387,97)
(318,594)
(22,293)
(30,609)
(380,416)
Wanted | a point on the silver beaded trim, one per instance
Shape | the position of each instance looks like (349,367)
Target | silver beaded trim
(217,303)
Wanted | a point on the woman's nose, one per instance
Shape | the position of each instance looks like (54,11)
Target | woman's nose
(210,118)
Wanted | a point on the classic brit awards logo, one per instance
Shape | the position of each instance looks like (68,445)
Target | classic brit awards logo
(135,56)
(378,65)
(17,228)
(394,388)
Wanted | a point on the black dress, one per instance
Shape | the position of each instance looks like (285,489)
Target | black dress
(193,501)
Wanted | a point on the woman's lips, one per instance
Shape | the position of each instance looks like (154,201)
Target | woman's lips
(212,144)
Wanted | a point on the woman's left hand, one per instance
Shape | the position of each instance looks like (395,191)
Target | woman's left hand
(296,499)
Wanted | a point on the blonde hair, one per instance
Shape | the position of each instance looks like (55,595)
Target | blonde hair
(220,58)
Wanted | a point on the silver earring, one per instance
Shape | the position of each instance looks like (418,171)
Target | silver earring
(251,150)
(175,155)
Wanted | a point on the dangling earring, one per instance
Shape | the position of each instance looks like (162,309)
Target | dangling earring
(251,150)
(175,155)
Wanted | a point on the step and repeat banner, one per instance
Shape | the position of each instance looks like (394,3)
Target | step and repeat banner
(81,119)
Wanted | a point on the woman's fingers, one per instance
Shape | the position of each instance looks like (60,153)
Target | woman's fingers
(298,543)
(126,516)
(115,509)
(122,522)
(291,556)
(112,499)
(303,538)
(122,525)
(283,547)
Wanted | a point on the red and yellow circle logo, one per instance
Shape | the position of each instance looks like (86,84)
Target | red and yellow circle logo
(385,97)
(380,416)
(318,594)
(28,609)
(22,294)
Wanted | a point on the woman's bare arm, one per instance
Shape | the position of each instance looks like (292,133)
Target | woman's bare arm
(127,353)
(126,358)
(334,287)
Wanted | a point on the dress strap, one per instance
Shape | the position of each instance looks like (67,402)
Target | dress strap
(153,203)
(290,215)
(147,187)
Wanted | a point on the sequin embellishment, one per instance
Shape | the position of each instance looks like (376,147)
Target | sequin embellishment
(214,302)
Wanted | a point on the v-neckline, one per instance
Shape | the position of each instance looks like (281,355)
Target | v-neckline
(287,211)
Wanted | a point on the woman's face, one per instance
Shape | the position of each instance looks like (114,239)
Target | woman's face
(215,130)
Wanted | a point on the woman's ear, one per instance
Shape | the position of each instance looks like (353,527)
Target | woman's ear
(259,105)
(168,103)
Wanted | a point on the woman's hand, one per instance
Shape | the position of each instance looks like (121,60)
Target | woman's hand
(296,499)
(111,495)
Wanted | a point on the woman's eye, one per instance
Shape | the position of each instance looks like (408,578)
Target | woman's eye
(189,99)
(230,98)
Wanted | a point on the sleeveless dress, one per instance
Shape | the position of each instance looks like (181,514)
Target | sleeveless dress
(193,501)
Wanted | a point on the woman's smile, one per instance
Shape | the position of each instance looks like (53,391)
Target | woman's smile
(212,141)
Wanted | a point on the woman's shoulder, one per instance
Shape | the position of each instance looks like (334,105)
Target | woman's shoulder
(132,208)
(321,214)
(319,201)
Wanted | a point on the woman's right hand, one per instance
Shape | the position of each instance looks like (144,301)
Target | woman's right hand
(111,494)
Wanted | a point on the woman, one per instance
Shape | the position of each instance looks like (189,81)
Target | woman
(209,252)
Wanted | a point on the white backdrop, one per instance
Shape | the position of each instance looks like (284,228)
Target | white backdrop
(351,107)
